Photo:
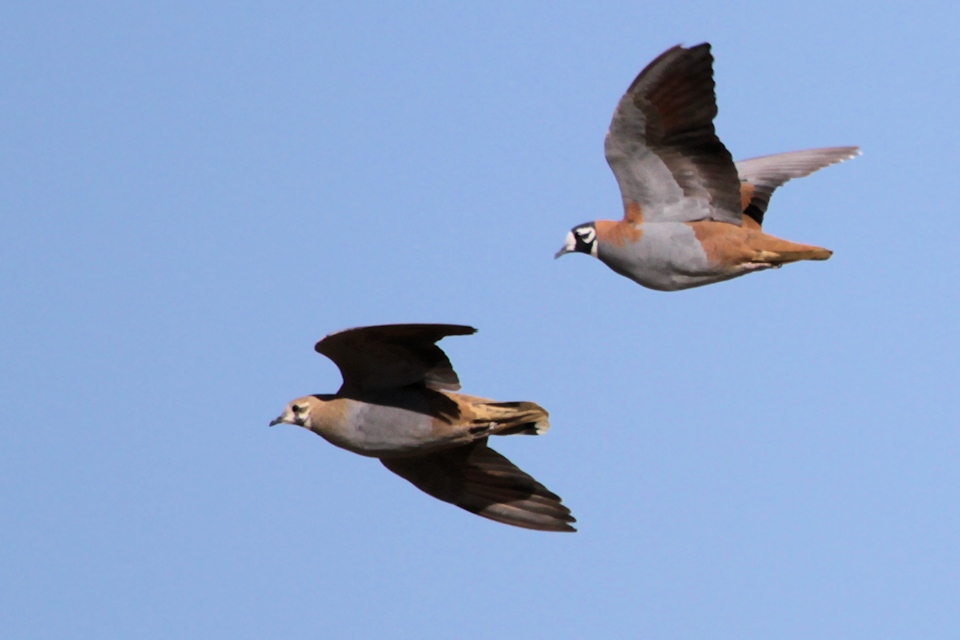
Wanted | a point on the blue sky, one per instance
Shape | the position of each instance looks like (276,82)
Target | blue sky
(191,196)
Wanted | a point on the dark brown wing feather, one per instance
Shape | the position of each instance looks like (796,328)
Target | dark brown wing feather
(392,356)
(662,143)
(477,478)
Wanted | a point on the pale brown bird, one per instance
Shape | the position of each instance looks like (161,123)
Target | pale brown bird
(692,216)
(397,403)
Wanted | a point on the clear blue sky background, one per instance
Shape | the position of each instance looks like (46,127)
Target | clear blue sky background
(191,194)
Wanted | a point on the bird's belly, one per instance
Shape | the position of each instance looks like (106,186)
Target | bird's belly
(667,257)
(380,430)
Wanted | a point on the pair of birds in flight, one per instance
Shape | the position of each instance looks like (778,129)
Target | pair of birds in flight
(692,217)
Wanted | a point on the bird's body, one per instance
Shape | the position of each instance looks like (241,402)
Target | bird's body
(399,403)
(692,216)
(404,422)
(669,256)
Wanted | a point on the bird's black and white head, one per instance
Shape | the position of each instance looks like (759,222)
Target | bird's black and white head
(297,412)
(581,239)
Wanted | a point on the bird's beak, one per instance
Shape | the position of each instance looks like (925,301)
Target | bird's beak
(277,421)
(568,247)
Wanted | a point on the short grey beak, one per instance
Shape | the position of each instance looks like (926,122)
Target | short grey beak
(277,421)
(563,251)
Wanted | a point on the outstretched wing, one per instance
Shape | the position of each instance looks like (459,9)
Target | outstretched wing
(393,356)
(477,478)
(663,149)
(759,177)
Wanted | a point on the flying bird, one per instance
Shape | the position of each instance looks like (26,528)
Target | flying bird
(692,216)
(397,403)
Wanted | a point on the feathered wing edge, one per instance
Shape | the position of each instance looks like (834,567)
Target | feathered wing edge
(760,177)
(477,478)
(393,356)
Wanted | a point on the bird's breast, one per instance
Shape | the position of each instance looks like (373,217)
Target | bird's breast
(666,256)
(385,426)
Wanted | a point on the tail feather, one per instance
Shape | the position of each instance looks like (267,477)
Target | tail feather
(809,254)
(516,418)
(775,251)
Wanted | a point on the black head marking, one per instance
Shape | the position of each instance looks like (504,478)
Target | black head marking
(581,239)
(585,237)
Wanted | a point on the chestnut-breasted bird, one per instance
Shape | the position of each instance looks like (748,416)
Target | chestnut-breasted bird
(397,403)
(691,215)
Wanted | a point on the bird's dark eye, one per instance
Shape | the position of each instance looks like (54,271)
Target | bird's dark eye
(296,408)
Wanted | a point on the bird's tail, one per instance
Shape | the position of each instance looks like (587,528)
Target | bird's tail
(514,418)
(776,252)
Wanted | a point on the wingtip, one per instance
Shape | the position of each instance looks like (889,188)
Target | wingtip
(372,330)
(563,527)
(458,330)
(567,525)
(851,151)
